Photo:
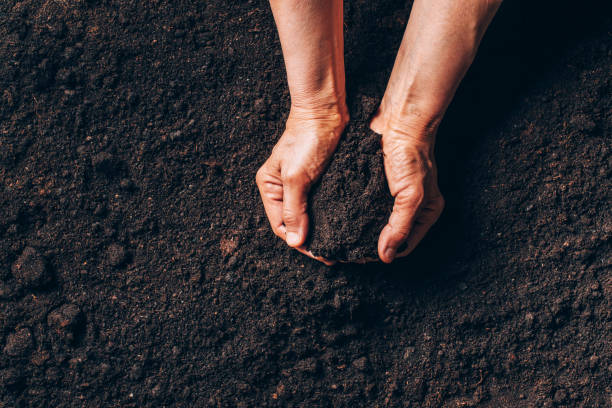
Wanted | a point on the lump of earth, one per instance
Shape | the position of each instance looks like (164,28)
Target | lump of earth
(30,270)
(64,321)
(19,343)
(116,255)
(351,203)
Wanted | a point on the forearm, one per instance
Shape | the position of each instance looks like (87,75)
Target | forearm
(439,45)
(311,38)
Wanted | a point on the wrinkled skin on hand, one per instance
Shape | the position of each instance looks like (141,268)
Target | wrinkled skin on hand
(302,154)
(439,44)
(411,173)
(296,163)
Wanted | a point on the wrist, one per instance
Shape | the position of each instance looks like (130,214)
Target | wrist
(408,120)
(329,109)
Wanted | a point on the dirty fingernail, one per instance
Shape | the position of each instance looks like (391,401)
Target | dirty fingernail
(390,253)
(292,238)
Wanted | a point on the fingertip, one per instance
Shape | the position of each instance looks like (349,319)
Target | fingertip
(280,231)
(294,239)
(387,255)
(386,250)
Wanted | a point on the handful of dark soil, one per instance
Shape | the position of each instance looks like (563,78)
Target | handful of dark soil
(351,203)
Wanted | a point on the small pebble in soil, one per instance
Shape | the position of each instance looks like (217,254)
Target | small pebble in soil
(116,255)
(29,269)
(19,343)
(64,321)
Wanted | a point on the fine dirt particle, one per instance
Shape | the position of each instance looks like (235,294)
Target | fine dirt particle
(19,343)
(30,269)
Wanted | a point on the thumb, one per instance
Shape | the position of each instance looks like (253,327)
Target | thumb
(295,214)
(394,234)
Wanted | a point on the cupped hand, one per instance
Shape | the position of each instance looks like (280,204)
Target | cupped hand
(410,167)
(297,161)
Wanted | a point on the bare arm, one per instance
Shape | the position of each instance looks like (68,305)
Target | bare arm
(439,45)
(311,37)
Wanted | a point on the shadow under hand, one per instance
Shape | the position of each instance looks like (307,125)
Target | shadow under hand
(524,45)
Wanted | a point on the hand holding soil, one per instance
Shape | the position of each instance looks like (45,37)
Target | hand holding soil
(439,45)
(297,161)
(411,173)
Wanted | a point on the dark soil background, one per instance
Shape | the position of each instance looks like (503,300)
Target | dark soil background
(137,267)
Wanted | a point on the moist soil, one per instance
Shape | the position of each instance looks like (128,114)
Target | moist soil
(137,267)
(351,203)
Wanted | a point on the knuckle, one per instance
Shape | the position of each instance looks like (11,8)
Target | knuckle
(411,196)
(293,215)
(402,233)
(293,177)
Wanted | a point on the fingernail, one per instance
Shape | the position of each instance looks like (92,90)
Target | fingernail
(293,239)
(390,253)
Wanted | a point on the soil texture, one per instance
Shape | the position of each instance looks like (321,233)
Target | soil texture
(137,267)
(351,203)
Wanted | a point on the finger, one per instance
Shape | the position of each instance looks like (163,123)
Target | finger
(418,232)
(406,206)
(426,219)
(306,252)
(271,191)
(294,212)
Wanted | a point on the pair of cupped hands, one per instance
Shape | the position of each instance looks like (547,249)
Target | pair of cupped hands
(301,156)
(439,45)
